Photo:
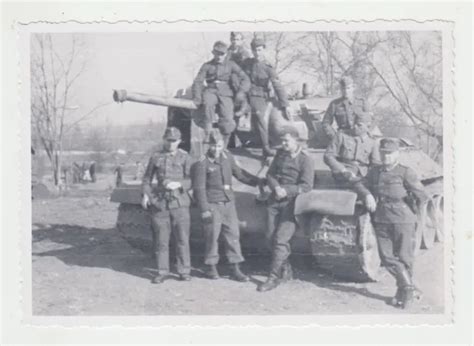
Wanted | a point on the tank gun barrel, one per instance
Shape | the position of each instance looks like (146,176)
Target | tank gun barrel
(123,95)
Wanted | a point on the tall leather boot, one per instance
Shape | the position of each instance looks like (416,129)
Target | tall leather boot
(237,274)
(408,290)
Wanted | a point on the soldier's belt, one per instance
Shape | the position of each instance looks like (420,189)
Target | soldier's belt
(385,199)
(352,162)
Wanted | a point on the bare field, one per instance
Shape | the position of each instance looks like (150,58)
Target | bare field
(82,267)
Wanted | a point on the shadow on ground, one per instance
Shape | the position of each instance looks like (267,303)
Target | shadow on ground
(103,248)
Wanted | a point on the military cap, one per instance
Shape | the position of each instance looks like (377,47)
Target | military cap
(345,81)
(214,137)
(234,34)
(172,134)
(288,129)
(389,145)
(363,117)
(257,42)
(220,47)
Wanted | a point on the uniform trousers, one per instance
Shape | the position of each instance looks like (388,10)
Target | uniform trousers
(259,106)
(164,223)
(280,221)
(225,111)
(397,242)
(224,221)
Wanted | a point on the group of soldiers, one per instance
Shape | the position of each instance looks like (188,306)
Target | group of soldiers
(389,190)
(233,83)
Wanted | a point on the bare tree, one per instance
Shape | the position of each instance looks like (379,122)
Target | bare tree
(55,71)
(410,69)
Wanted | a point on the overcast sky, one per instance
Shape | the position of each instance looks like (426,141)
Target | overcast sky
(136,62)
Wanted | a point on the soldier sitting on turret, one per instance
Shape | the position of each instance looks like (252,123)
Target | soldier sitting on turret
(217,73)
(352,151)
(343,109)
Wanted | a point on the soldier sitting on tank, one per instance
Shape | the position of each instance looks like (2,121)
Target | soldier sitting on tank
(212,189)
(393,193)
(261,74)
(238,54)
(352,151)
(343,109)
(217,92)
(169,203)
(291,173)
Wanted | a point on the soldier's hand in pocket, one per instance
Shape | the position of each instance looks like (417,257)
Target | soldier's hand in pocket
(206,215)
(145,201)
(370,203)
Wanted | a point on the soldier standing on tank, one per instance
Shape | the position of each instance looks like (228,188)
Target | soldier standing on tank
(217,92)
(261,74)
(212,189)
(352,151)
(169,204)
(343,109)
(290,173)
(238,54)
(393,194)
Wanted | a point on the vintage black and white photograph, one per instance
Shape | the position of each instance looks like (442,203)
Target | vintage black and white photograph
(237,172)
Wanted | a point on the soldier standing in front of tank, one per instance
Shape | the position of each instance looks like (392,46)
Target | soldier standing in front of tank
(290,173)
(169,204)
(212,189)
(343,109)
(261,74)
(393,193)
(352,151)
(218,92)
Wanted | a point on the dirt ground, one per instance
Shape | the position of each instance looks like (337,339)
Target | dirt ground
(82,267)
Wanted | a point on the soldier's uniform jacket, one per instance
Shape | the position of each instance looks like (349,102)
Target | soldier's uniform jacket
(217,76)
(352,152)
(293,172)
(261,74)
(212,179)
(238,55)
(391,189)
(168,167)
(344,112)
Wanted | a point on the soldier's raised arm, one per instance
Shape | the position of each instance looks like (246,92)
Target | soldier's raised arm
(241,174)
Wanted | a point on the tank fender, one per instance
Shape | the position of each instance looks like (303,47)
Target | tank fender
(326,202)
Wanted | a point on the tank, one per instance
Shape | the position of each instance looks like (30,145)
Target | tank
(333,227)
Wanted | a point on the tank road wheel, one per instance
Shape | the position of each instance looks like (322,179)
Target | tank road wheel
(134,225)
(369,256)
(438,202)
(426,225)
